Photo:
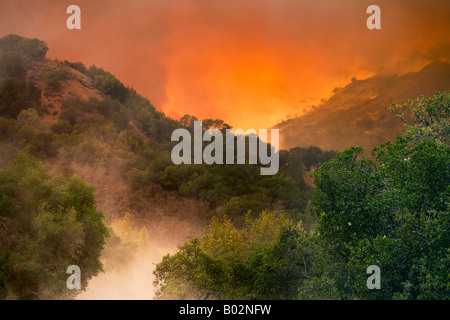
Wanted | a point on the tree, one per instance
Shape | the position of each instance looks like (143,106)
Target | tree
(298,159)
(108,83)
(79,66)
(269,258)
(30,117)
(49,223)
(11,64)
(16,95)
(392,211)
(33,48)
(9,42)
(74,111)
(187,121)
(426,118)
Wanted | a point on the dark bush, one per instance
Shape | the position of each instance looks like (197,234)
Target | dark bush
(32,48)
(74,111)
(108,106)
(53,79)
(16,95)
(107,83)
(79,66)
(9,42)
(11,64)
(61,127)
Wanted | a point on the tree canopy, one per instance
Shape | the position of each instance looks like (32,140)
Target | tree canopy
(390,210)
(47,223)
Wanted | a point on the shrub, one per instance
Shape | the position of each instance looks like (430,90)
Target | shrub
(61,127)
(74,111)
(79,66)
(32,48)
(30,117)
(9,42)
(16,95)
(53,79)
(11,64)
(107,83)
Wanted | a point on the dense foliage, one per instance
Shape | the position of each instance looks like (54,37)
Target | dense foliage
(271,240)
(391,210)
(47,223)
(234,190)
(122,127)
(16,95)
(54,77)
(29,48)
(269,258)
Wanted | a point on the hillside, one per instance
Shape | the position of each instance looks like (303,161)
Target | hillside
(75,86)
(89,119)
(84,122)
(86,179)
(357,115)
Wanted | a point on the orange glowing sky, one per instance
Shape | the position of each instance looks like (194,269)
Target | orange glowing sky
(249,62)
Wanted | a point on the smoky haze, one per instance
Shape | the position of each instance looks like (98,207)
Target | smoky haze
(148,222)
(268,59)
(250,62)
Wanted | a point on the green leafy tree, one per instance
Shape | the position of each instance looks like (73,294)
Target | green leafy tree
(426,118)
(47,223)
(391,211)
(269,258)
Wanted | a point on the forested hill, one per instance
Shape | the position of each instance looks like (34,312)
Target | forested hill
(63,124)
(83,120)
(356,114)
(61,83)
